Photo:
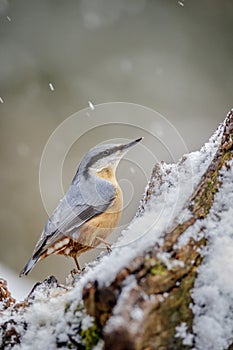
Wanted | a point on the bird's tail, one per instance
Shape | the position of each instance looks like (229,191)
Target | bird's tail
(29,266)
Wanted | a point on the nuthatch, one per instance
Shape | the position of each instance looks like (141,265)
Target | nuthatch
(90,209)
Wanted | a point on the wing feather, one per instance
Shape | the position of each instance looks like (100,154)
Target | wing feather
(73,211)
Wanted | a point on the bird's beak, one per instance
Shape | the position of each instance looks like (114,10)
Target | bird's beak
(130,144)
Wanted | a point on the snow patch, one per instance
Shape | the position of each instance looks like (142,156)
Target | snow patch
(213,290)
(87,322)
(168,262)
(182,332)
(137,314)
(116,319)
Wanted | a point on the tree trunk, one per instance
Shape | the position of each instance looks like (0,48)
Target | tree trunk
(146,304)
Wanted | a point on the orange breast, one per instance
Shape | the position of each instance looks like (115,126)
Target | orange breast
(102,225)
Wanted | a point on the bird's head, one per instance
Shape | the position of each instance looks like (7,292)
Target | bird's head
(104,157)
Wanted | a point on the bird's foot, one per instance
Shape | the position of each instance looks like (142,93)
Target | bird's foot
(74,273)
(108,247)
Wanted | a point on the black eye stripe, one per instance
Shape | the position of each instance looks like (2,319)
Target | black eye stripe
(98,156)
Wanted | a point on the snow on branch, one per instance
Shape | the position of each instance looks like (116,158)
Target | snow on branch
(167,284)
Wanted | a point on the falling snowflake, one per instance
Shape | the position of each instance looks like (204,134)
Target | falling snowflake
(51,86)
(92,107)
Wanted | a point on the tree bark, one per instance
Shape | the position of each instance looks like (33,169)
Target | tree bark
(143,314)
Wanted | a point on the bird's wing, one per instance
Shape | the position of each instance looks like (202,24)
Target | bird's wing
(74,210)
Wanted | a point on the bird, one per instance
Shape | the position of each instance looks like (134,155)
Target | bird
(90,209)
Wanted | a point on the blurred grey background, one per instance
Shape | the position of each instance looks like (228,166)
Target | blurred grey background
(175,57)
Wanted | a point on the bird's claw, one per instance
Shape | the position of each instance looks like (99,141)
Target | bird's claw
(108,247)
(74,273)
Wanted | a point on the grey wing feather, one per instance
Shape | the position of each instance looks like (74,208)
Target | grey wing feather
(81,203)
(76,208)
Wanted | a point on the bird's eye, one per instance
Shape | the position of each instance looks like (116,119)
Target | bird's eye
(106,153)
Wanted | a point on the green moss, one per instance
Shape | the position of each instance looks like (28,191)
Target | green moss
(147,257)
(91,336)
(87,338)
(158,268)
(79,308)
